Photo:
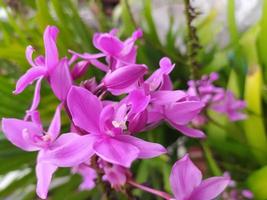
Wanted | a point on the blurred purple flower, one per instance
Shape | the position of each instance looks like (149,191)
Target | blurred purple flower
(187,184)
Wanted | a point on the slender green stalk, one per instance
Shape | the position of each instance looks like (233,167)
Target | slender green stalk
(193,44)
(211,161)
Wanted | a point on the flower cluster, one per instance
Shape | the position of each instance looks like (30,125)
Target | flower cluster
(216,98)
(103,134)
(234,193)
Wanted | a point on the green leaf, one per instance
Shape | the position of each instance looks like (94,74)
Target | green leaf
(257,182)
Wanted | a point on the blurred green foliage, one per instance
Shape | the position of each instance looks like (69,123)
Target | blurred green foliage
(240,148)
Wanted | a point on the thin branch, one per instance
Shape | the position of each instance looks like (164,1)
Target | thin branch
(162,194)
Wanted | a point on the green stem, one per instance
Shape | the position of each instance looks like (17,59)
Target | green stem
(211,161)
(193,42)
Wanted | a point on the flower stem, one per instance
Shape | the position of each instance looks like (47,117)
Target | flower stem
(211,161)
(162,194)
(104,188)
(193,42)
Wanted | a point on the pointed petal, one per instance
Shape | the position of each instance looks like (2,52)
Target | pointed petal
(85,109)
(210,188)
(26,79)
(107,43)
(116,152)
(13,130)
(60,79)
(99,65)
(138,101)
(146,149)
(44,174)
(155,80)
(54,128)
(36,96)
(70,149)
(166,83)
(184,178)
(165,97)
(80,69)
(29,52)
(190,132)
(87,56)
(165,65)
(124,77)
(183,112)
(51,52)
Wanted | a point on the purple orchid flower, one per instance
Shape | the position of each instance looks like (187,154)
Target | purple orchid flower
(66,150)
(50,67)
(118,52)
(216,98)
(160,79)
(187,184)
(177,109)
(230,106)
(108,141)
(41,65)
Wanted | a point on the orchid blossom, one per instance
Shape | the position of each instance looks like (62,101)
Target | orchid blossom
(30,136)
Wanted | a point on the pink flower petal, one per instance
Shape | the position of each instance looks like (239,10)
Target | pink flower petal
(107,43)
(183,112)
(28,53)
(184,178)
(138,101)
(85,109)
(87,56)
(80,69)
(13,130)
(146,149)
(116,152)
(60,79)
(190,132)
(51,52)
(54,128)
(166,83)
(166,65)
(26,79)
(124,77)
(165,97)
(44,173)
(69,150)
(36,96)
(210,188)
